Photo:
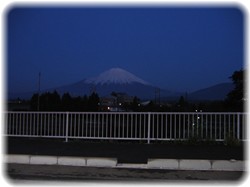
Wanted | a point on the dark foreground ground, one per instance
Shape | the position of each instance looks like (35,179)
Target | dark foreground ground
(20,173)
(125,152)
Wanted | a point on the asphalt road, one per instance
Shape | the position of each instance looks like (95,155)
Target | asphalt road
(19,173)
(125,152)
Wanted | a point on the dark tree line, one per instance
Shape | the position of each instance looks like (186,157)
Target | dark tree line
(53,102)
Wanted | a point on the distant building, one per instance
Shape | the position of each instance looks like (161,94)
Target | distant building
(106,103)
(115,103)
(123,98)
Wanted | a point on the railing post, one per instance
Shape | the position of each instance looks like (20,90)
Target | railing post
(238,126)
(67,127)
(6,115)
(149,121)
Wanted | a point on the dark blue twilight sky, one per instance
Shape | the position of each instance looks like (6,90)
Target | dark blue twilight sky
(176,48)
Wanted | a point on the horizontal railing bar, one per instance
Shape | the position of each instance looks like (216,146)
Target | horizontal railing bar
(38,136)
(103,138)
(107,138)
(111,113)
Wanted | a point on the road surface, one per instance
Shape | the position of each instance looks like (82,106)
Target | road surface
(19,172)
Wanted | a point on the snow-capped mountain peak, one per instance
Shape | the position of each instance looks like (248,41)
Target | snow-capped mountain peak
(116,76)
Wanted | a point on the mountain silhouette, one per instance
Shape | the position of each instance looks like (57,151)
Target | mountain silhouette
(216,92)
(122,81)
(113,80)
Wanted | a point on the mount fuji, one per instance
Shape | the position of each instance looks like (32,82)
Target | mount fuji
(112,80)
(115,76)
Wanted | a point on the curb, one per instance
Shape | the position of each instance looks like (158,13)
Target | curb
(169,164)
(71,161)
(44,160)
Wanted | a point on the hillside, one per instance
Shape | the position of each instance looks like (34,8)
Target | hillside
(216,92)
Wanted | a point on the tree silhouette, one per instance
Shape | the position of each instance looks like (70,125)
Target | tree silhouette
(54,101)
(235,98)
(182,104)
(93,102)
(135,104)
(34,102)
(66,102)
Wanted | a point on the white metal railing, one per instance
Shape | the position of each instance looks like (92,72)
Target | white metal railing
(146,126)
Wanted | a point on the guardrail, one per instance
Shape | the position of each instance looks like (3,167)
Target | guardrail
(147,126)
